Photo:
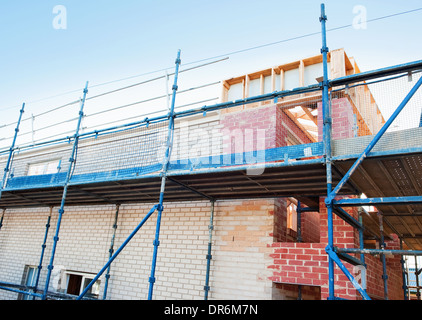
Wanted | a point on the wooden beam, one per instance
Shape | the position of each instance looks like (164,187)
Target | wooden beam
(282,79)
(301,127)
(313,118)
(301,74)
(273,79)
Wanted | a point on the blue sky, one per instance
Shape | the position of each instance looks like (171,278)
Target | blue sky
(108,40)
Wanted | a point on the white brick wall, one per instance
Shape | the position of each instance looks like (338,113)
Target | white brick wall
(197,137)
(241,234)
(85,235)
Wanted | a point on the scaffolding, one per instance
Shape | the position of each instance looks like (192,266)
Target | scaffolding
(140,152)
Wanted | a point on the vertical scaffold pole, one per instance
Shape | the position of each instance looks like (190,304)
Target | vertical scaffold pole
(166,162)
(384,265)
(12,147)
(327,147)
(111,250)
(299,221)
(361,241)
(43,246)
(408,278)
(403,272)
(9,160)
(209,255)
(66,184)
(417,272)
(361,246)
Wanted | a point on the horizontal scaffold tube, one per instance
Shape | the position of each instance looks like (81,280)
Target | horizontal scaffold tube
(378,73)
(379,251)
(377,201)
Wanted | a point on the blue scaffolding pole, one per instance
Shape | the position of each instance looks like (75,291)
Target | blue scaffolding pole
(326,131)
(368,149)
(334,257)
(158,207)
(114,256)
(111,250)
(404,273)
(12,148)
(66,185)
(334,206)
(43,246)
(166,163)
(209,255)
(384,263)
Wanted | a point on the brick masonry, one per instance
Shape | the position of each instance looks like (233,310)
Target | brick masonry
(342,119)
(254,254)
(240,254)
(307,263)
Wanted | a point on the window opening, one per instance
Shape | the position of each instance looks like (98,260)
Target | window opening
(28,279)
(76,282)
(41,168)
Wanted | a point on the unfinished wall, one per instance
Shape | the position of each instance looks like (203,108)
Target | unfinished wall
(240,255)
(284,291)
(251,129)
(307,263)
(342,119)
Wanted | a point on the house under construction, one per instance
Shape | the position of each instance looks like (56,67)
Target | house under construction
(296,185)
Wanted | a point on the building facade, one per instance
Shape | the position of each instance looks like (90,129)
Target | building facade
(260,249)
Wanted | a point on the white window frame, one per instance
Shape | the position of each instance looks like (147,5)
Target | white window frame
(85,276)
(29,281)
(292,216)
(44,167)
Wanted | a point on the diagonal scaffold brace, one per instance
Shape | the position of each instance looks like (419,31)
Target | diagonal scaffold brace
(114,256)
(333,256)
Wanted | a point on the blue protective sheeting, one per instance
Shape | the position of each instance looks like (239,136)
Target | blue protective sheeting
(287,153)
(250,158)
(28,182)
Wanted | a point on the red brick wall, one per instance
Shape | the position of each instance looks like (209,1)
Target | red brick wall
(342,119)
(310,227)
(374,273)
(280,221)
(246,123)
(299,263)
(307,263)
(271,119)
